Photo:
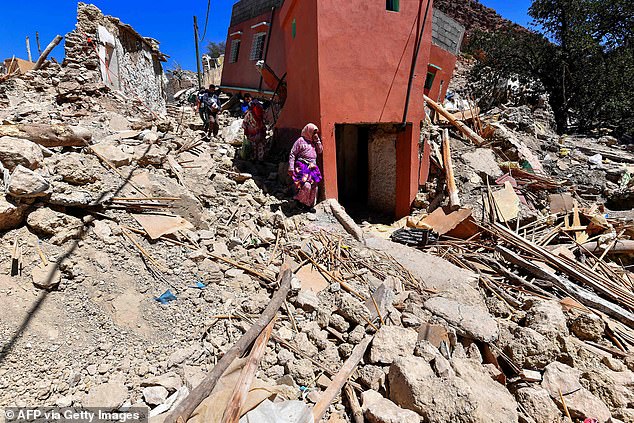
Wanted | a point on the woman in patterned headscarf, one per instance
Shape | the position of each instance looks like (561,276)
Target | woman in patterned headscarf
(302,165)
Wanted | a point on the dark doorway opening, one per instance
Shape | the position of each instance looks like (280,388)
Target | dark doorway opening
(366,170)
(352,167)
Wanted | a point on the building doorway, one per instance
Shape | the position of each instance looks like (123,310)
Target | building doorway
(366,170)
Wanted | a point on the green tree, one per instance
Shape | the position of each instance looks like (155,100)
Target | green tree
(582,56)
(215,50)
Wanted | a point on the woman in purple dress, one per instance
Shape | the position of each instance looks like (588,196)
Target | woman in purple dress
(302,165)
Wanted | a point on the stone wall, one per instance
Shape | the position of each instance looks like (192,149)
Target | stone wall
(127,61)
(249,9)
(382,168)
(474,16)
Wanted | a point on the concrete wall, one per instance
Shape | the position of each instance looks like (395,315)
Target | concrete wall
(242,73)
(127,61)
(443,64)
(347,62)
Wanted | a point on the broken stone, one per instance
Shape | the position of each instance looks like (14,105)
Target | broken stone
(483,161)
(352,309)
(170,381)
(11,215)
(391,342)
(493,401)
(384,297)
(381,410)
(77,169)
(307,300)
(413,385)
(588,327)
(61,227)
(108,396)
(17,151)
(547,318)
(46,278)
(152,154)
(25,183)
(114,154)
(155,395)
(538,404)
(301,371)
(559,377)
(527,347)
(372,376)
(470,321)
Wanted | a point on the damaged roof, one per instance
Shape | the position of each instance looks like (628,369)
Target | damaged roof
(249,9)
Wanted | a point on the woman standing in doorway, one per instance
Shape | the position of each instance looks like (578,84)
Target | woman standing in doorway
(302,165)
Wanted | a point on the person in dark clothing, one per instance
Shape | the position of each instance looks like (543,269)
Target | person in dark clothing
(208,108)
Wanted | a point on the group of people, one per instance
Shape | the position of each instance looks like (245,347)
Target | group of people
(302,161)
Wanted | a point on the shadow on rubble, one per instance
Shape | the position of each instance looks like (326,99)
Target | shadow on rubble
(266,176)
(8,346)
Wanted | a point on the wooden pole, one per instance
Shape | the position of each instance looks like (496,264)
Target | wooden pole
(239,395)
(28,49)
(47,50)
(340,379)
(37,41)
(200,82)
(468,132)
(182,412)
(452,190)
(357,412)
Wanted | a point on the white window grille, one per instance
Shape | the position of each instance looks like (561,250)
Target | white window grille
(257,49)
(235,50)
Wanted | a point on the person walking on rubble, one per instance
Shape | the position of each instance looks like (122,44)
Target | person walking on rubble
(254,127)
(213,103)
(302,166)
(208,108)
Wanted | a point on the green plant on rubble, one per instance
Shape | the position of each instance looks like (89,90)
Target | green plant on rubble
(581,54)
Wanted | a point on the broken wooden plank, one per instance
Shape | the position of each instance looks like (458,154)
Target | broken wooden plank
(340,379)
(47,50)
(184,409)
(239,394)
(452,190)
(582,295)
(468,132)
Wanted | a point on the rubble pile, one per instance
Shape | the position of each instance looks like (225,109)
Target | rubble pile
(141,252)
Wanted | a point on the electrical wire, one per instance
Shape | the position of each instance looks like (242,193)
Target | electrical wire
(206,20)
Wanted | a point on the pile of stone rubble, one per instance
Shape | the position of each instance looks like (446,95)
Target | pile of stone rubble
(138,254)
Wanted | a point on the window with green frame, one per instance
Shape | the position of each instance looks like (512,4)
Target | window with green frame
(429,81)
(392,5)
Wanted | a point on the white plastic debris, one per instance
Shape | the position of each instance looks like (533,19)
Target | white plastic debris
(597,159)
(281,412)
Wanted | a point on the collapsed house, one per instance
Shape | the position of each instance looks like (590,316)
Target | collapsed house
(364,92)
(127,61)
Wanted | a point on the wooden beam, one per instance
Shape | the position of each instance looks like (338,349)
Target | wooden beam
(239,394)
(468,132)
(47,50)
(452,190)
(185,408)
(340,379)
(584,296)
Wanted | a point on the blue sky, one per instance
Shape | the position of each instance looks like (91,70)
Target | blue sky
(171,22)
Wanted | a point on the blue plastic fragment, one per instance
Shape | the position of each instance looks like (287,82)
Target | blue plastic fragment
(166,297)
(199,285)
